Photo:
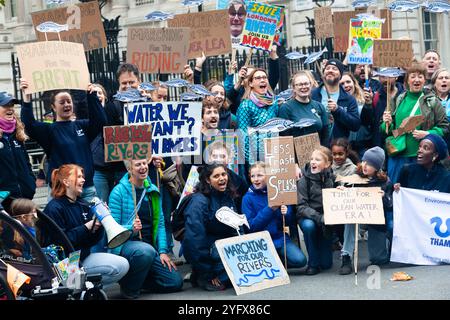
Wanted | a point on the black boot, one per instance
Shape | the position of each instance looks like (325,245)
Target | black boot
(346,267)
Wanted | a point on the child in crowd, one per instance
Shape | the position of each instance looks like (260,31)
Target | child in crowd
(262,217)
(23,210)
(370,168)
(318,237)
(344,158)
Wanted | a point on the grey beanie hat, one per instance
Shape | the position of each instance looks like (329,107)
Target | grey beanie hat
(375,157)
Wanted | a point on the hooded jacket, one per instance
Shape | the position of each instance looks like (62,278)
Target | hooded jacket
(346,169)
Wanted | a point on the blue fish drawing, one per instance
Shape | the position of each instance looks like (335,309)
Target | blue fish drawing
(158,16)
(285,95)
(295,55)
(177,83)
(131,95)
(147,86)
(363,3)
(200,89)
(389,72)
(57,1)
(50,26)
(187,96)
(403,6)
(314,56)
(436,6)
(192,2)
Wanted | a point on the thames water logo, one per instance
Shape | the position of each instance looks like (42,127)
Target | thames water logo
(437,230)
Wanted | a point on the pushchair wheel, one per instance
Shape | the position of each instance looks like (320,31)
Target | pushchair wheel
(94,294)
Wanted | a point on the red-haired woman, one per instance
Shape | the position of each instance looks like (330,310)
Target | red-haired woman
(73,216)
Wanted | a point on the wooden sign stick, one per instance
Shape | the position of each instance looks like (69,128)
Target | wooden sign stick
(284,238)
(355,258)
(388,106)
(233,59)
(249,57)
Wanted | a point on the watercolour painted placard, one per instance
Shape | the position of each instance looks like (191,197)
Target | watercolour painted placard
(53,65)
(176,126)
(252,262)
(363,33)
(129,142)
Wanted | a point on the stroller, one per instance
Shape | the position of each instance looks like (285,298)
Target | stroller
(20,249)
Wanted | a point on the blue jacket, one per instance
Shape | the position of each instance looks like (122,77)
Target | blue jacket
(261,217)
(415,176)
(121,205)
(16,175)
(346,116)
(202,229)
(67,141)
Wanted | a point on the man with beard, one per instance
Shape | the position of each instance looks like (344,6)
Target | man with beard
(360,75)
(342,106)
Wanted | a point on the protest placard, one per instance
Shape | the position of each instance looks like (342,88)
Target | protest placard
(210,32)
(129,142)
(363,32)
(304,147)
(280,171)
(341,25)
(84,25)
(176,126)
(392,53)
(353,205)
(260,26)
(251,262)
(53,65)
(323,22)
(158,50)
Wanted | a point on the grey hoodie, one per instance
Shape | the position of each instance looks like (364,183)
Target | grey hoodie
(346,169)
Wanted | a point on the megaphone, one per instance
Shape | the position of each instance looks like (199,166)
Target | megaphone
(115,233)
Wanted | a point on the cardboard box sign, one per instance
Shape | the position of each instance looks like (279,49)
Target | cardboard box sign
(323,22)
(53,65)
(84,22)
(392,53)
(252,262)
(304,147)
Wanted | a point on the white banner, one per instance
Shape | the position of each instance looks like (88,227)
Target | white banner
(176,126)
(421,227)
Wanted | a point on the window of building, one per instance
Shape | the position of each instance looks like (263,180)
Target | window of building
(429,30)
(13,8)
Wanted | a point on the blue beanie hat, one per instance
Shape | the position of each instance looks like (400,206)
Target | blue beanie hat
(439,145)
(375,157)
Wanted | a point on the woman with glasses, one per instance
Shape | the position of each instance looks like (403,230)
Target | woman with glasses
(303,107)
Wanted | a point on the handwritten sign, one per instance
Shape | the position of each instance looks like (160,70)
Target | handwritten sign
(53,65)
(84,22)
(210,32)
(127,142)
(260,26)
(353,205)
(252,262)
(341,25)
(323,22)
(392,53)
(176,126)
(280,171)
(158,50)
(304,147)
(363,33)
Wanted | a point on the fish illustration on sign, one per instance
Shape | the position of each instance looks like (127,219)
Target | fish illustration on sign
(50,26)
(131,95)
(280,125)
(295,55)
(227,216)
(192,2)
(314,56)
(177,83)
(57,1)
(403,6)
(436,6)
(285,95)
(158,16)
(147,86)
(389,72)
(187,96)
(200,89)
(363,3)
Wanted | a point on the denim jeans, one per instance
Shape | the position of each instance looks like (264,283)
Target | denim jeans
(395,164)
(319,248)
(377,243)
(146,270)
(294,255)
(104,182)
(110,266)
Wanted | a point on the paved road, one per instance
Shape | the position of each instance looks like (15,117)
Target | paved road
(431,282)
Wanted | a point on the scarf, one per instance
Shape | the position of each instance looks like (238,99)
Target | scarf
(261,100)
(8,126)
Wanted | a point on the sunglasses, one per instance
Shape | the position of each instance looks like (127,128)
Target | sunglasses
(241,12)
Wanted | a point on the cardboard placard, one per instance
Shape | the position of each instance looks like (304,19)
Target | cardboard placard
(392,53)
(408,124)
(176,126)
(363,33)
(158,50)
(323,22)
(89,32)
(210,32)
(304,147)
(53,65)
(341,25)
(280,171)
(353,205)
(260,26)
(130,142)
(252,262)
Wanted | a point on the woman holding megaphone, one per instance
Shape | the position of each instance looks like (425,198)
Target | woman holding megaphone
(74,217)
(135,203)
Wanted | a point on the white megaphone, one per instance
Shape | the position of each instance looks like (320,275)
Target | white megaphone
(115,233)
